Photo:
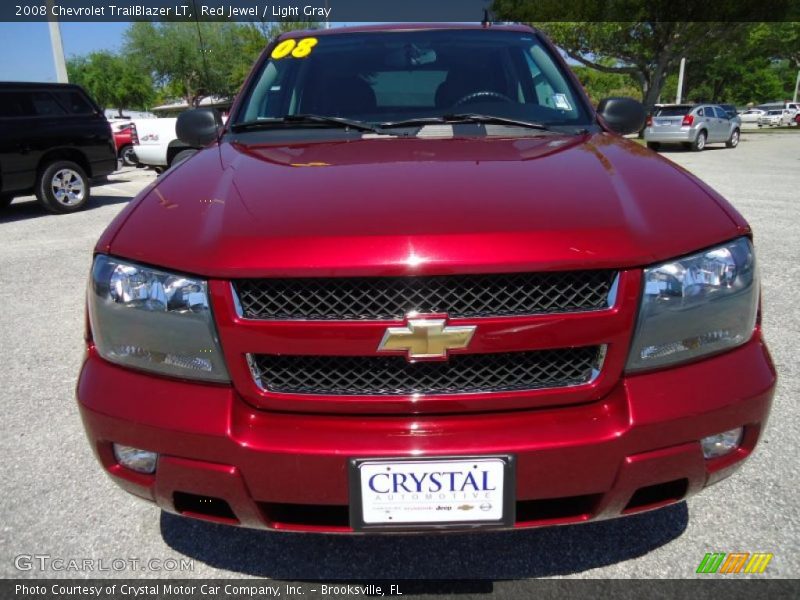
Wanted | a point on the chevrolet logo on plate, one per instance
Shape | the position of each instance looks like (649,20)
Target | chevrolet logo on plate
(426,338)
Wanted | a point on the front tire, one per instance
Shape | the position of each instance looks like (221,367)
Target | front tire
(699,142)
(62,187)
(654,145)
(734,139)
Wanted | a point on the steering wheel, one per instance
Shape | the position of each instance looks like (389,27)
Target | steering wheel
(481,95)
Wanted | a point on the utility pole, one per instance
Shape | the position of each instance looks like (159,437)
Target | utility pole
(57,45)
(58,52)
(680,81)
(796,86)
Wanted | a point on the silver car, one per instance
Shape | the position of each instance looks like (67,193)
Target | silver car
(694,126)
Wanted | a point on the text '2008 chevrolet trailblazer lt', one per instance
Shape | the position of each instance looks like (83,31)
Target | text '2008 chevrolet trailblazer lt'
(417,282)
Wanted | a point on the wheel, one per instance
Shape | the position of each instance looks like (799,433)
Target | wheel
(5,200)
(734,139)
(700,141)
(182,156)
(62,187)
(127,155)
(653,145)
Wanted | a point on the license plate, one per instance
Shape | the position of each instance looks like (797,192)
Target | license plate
(435,492)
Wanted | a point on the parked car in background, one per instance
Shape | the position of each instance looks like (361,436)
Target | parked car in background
(752,115)
(123,140)
(158,146)
(793,109)
(53,140)
(774,118)
(731,111)
(694,126)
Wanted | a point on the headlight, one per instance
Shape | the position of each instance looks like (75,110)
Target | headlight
(696,305)
(153,320)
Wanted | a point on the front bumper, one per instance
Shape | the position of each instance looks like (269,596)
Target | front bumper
(223,460)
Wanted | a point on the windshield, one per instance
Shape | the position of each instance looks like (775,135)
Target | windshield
(390,76)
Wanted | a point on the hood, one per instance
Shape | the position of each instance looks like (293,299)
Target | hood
(404,206)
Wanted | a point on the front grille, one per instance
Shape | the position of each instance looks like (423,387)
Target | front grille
(393,375)
(394,297)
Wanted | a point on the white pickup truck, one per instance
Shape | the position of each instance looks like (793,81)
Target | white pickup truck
(156,145)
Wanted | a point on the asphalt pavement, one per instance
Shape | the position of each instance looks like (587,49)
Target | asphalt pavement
(58,502)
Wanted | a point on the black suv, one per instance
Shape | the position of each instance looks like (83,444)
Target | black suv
(53,140)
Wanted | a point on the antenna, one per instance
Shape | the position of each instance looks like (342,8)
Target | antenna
(202,53)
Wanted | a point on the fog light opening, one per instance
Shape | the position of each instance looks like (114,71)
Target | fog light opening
(135,459)
(722,444)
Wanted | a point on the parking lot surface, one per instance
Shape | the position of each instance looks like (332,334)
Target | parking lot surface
(57,501)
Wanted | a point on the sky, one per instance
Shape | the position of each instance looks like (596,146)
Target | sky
(26,51)
(25,47)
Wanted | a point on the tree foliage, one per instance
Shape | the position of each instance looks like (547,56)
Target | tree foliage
(646,51)
(736,61)
(194,60)
(760,68)
(113,81)
(600,84)
(256,37)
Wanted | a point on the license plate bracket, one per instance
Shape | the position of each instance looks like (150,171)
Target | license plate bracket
(469,505)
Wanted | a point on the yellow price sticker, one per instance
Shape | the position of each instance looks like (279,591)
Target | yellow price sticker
(294,48)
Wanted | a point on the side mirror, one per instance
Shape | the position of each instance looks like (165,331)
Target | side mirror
(623,115)
(198,127)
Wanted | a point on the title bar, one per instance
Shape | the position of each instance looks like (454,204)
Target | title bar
(359,11)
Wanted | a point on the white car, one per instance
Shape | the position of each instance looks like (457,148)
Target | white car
(158,146)
(775,118)
(752,115)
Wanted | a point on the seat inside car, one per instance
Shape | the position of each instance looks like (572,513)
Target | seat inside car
(347,95)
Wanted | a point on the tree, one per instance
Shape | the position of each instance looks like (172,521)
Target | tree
(757,69)
(599,85)
(193,59)
(646,50)
(256,37)
(113,81)
(778,41)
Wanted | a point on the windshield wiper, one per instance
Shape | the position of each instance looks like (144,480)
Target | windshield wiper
(465,118)
(304,119)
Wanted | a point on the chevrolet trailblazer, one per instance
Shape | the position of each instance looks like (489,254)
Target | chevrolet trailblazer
(418,282)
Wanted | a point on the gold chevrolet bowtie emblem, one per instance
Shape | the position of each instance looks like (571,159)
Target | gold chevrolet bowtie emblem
(426,338)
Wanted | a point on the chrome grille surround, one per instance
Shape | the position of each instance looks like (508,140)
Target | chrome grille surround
(392,298)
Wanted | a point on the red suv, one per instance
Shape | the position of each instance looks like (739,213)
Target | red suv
(418,282)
